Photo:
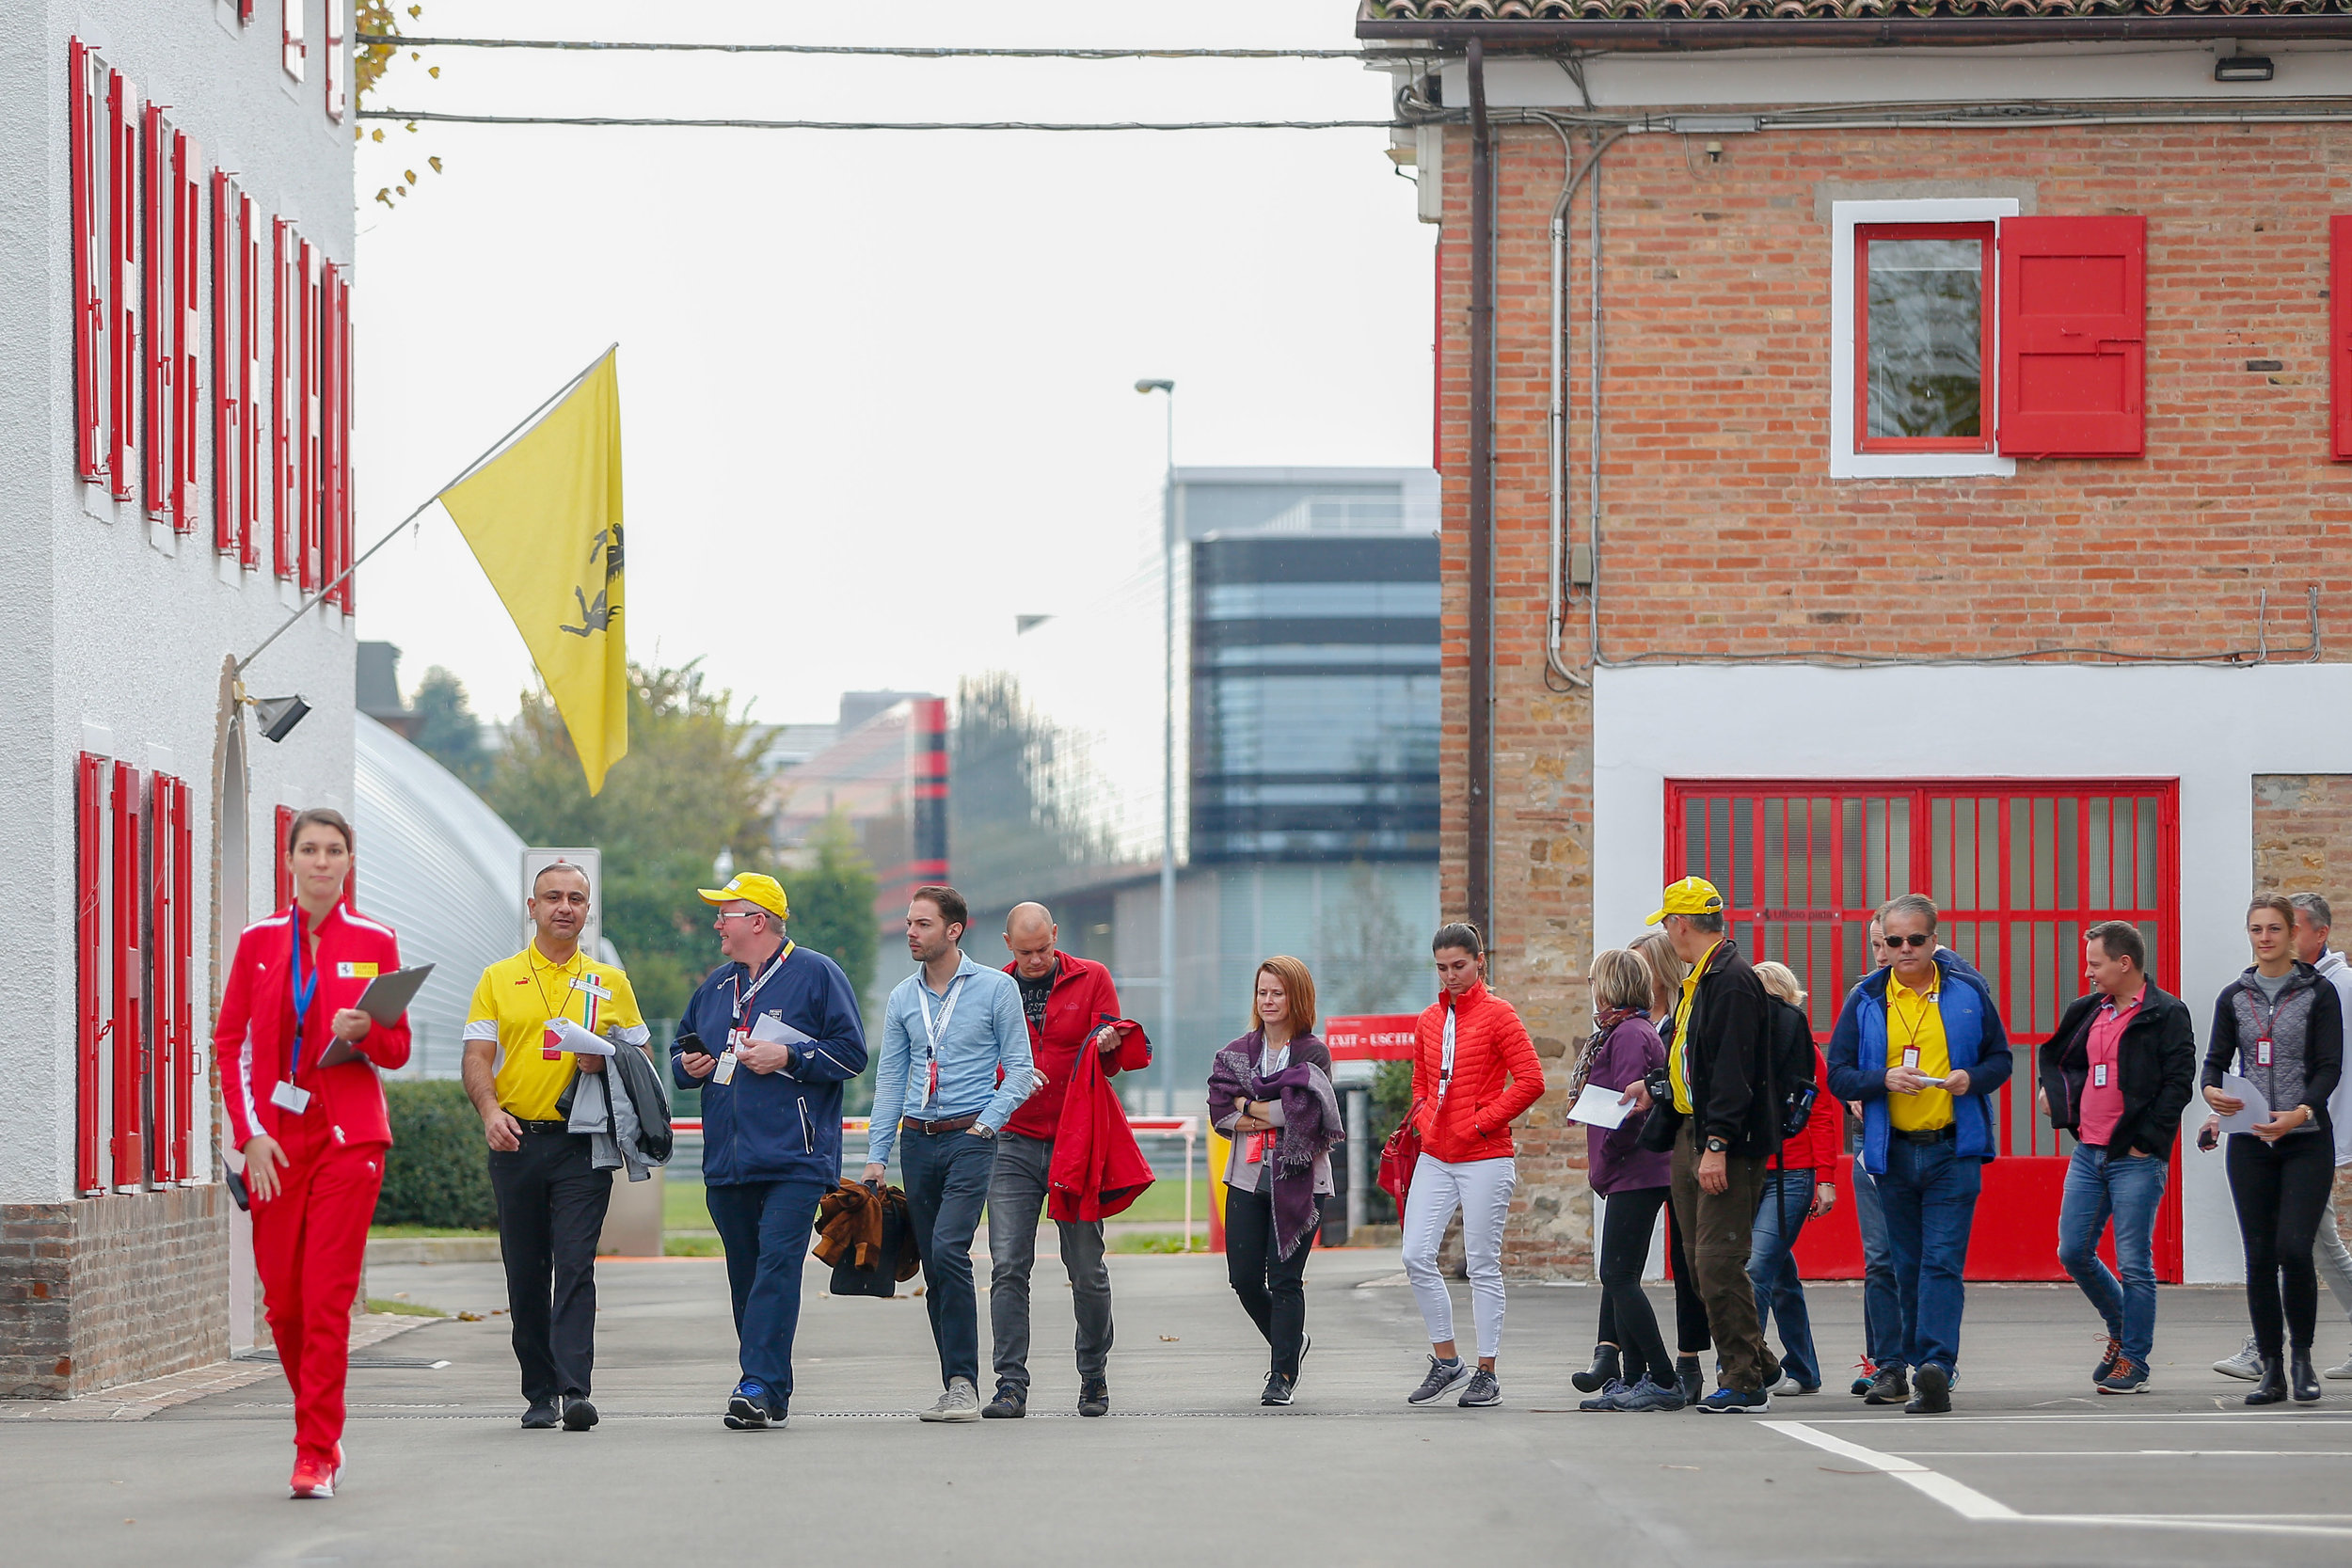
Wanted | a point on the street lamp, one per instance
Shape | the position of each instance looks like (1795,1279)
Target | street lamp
(1167,737)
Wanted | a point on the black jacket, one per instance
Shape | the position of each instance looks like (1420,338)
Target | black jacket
(2156,1069)
(1729,1062)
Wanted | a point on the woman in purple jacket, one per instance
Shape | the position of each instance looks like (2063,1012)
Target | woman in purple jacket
(1625,1050)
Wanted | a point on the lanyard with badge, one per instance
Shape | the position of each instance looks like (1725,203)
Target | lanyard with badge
(551,1038)
(1918,1026)
(2122,1016)
(2270,1019)
(946,1011)
(1445,1057)
(286,1097)
(737,1035)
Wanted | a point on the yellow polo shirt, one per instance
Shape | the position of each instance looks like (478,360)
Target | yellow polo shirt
(512,1004)
(1915,1019)
(1677,1066)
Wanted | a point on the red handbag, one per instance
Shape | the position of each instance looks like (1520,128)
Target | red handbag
(1398,1157)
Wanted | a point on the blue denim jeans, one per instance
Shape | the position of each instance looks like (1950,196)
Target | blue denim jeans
(946,1183)
(2127,1188)
(1881,1305)
(1773,1271)
(1929,1197)
(764,1226)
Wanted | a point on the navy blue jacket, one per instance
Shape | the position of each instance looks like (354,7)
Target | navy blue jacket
(779,1126)
(1973,1033)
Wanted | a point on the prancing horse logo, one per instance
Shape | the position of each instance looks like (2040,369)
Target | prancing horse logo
(597,617)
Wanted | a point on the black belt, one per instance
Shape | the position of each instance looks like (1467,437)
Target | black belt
(953,1124)
(1929,1134)
(544,1126)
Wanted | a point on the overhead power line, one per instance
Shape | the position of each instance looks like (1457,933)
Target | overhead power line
(889,125)
(907,51)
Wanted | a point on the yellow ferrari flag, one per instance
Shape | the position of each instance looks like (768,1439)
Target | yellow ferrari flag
(544,518)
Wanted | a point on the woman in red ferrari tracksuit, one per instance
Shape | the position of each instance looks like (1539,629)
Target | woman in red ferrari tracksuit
(314,1136)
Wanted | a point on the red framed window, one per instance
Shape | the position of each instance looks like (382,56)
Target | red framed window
(159,192)
(285,345)
(171,1088)
(87,137)
(293,52)
(90,1023)
(229,412)
(307,382)
(1923,337)
(2073,323)
(281,876)
(253,456)
(129,1066)
(334,440)
(187,272)
(122,283)
(337,66)
(2338,337)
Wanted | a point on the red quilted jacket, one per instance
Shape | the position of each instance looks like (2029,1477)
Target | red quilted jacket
(1490,1046)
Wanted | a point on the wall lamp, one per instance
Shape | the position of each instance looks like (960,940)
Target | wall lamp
(2243,67)
(278,716)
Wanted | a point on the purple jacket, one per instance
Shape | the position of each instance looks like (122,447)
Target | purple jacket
(1617,1161)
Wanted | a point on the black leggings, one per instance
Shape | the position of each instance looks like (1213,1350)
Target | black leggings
(1625,1232)
(1689,1312)
(1273,1289)
(2281,1191)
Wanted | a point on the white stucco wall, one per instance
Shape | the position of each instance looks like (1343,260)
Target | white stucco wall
(2210,729)
(112,638)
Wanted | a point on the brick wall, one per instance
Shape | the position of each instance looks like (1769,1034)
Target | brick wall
(1723,536)
(111,1289)
(2303,844)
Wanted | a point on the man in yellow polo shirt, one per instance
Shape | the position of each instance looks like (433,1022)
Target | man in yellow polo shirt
(551,1197)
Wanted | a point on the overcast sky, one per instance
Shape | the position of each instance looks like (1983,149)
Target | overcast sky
(876,386)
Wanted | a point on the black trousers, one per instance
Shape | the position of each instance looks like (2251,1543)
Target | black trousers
(1691,1336)
(1273,1291)
(550,1213)
(2281,1191)
(1625,1233)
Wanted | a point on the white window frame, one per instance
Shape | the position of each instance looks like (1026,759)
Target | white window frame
(1844,462)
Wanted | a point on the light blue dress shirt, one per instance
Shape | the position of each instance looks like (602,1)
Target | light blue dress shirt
(985,1031)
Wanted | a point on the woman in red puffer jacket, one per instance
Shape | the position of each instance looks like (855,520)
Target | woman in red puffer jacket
(1474,1071)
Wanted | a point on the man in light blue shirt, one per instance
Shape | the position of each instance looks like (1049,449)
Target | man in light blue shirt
(954,1066)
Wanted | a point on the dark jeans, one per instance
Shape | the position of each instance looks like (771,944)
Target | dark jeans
(946,1179)
(552,1208)
(1882,1303)
(1273,1289)
(764,1226)
(1691,1336)
(1718,1228)
(1929,1197)
(1017,1191)
(2128,1188)
(2281,1191)
(1773,1270)
(1625,1233)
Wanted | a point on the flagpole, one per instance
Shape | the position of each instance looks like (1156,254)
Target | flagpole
(464,474)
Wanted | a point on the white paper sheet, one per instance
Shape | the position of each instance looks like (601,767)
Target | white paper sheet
(2257,1108)
(579,1040)
(774,1030)
(1600,1107)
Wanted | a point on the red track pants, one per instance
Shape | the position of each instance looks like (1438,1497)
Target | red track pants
(308,1245)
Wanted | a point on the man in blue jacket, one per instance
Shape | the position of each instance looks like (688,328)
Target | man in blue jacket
(771,1120)
(1920,1044)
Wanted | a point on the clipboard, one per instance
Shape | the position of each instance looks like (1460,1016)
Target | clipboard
(387,995)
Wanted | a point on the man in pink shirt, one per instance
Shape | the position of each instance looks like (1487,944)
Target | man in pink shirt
(2117,1074)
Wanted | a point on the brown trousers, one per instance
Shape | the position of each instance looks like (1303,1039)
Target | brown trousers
(1718,1229)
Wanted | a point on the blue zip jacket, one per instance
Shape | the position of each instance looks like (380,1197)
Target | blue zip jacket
(1972,1033)
(778,1126)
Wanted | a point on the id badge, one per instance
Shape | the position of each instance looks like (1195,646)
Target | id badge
(286,1097)
(2099,1076)
(724,1072)
(933,1092)
(1911,1057)
(2262,1052)
(550,1043)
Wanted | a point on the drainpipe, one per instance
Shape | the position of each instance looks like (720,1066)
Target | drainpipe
(1480,869)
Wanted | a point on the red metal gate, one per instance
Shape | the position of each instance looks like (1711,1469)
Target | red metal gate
(2019,869)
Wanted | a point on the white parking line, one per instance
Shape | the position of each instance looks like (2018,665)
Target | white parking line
(1971,1504)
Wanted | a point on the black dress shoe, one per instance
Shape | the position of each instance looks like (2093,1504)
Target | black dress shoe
(2272,1386)
(1687,1379)
(1935,1392)
(1889,1386)
(578,1413)
(1094,1397)
(541,1415)
(1608,1366)
(1011,1404)
(2302,1379)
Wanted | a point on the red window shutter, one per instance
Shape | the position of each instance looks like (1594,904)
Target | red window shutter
(283,338)
(128,1145)
(227,426)
(89,958)
(255,443)
(306,412)
(187,271)
(282,889)
(157,299)
(290,36)
(188,1081)
(2339,337)
(330,456)
(337,66)
(347,503)
(2073,317)
(87,139)
(122,294)
(171,1082)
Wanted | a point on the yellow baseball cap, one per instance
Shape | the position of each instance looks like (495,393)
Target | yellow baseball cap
(1691,896)
(751,888)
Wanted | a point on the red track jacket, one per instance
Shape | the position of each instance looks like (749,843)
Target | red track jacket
(257,1025)
(1474,1123)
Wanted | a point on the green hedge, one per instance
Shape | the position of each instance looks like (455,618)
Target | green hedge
(438,1171)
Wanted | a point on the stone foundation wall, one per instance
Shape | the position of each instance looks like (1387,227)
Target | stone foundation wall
(111,1289)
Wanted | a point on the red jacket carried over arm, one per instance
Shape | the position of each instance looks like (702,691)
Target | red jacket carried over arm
(1490,1046)
(256,1029)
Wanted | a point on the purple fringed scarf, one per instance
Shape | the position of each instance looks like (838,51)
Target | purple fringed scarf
(1311,1116)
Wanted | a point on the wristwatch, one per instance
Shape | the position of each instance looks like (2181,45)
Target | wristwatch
(1718,1145)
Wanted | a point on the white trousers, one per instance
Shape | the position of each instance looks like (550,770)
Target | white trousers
(1481,1188)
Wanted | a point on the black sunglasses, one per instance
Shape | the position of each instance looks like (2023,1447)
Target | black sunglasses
(1918,938)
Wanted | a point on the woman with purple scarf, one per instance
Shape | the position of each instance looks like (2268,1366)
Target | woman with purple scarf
(1270,1092)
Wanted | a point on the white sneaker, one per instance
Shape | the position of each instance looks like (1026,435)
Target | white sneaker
(2342,1373)
(2247,1362)
(1788,1384)
(960,1403)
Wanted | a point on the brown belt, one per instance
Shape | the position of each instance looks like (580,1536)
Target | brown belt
(953,1124)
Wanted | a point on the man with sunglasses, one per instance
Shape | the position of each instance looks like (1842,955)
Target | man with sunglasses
(770,1036)
(1920,1044)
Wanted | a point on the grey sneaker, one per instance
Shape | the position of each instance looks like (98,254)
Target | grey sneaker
(960,1403)
(1485,1388)
(1646,1396)
(2247,1362)
(2341,1373)
(1442,1376)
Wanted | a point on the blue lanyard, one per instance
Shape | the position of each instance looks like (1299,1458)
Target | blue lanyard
(303,991)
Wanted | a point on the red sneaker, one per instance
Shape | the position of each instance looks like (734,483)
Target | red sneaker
(312,1477)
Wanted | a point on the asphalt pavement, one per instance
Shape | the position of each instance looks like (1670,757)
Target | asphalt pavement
(2030,1468)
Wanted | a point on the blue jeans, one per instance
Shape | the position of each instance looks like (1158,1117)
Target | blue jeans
(1882,1304)
(946,1179)
(764,1226)
(2129,1189)
(1773,1271)
(1929,1197)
